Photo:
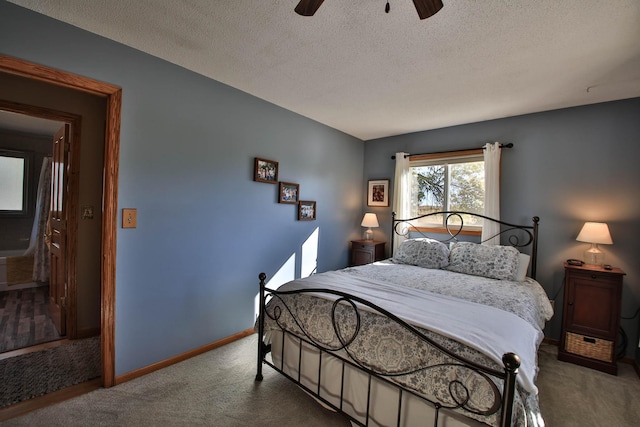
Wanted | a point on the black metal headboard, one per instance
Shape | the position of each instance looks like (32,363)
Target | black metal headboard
(518,236)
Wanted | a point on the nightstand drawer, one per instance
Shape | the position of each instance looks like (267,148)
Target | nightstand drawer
(591,276)
(593,348)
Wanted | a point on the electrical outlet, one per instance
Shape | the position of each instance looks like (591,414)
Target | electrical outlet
(129,218)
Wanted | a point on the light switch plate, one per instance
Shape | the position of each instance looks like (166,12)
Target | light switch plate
(87,212)
(129,218)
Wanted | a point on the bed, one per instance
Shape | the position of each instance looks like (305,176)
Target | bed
(445,330)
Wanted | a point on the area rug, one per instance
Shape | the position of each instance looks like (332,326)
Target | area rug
(19,269)
(34,374)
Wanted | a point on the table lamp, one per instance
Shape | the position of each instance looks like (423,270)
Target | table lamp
(594,233)
(370,220)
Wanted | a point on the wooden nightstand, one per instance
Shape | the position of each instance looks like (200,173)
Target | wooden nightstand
(366,251)
(591,317)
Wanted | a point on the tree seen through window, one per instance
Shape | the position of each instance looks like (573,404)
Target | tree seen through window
(442,187)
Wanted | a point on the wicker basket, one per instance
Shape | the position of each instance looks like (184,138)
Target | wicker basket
(586,346)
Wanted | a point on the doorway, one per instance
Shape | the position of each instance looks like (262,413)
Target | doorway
(26,142)
(113,98)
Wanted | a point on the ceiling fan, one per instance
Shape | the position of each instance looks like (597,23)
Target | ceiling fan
(425,8)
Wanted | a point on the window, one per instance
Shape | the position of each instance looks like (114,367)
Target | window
(14,182)
(448,182)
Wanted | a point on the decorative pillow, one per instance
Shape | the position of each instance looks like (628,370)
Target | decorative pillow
(423,252)
(495,262)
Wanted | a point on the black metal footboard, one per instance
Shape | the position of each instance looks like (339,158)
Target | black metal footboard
(276,307)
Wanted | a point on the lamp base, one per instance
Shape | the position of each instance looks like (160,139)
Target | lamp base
(594,255)
(368,235)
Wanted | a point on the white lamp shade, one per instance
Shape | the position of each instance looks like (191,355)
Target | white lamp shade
(595,232)
(370,220)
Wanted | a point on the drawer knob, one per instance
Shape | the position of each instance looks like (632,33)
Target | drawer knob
(593,276)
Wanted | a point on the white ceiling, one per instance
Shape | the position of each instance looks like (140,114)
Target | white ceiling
(22,123)
(371,74)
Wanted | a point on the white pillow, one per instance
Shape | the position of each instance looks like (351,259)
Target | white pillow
(523,266)
(423,252)
(495,262)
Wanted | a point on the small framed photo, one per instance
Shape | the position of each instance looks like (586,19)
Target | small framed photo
(307,210)
(289,193)
(378,194)
(265,171)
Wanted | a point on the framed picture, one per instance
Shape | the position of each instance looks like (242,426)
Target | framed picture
(307,210)
(378,194)
(265,171)
(289,193)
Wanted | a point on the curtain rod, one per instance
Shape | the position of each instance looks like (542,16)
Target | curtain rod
(509,145)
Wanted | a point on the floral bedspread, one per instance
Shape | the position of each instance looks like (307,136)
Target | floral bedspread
(527,299)
(381,345)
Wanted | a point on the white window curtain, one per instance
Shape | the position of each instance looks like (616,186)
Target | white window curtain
(401,194)
(490,229)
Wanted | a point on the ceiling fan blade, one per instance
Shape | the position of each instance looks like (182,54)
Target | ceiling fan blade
(426,8)
(308,7)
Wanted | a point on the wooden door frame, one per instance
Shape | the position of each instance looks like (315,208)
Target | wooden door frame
(113,96)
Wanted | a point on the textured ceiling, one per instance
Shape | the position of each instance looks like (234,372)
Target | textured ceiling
(371,74)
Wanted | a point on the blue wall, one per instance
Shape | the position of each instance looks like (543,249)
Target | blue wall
(567,167)
(187,275)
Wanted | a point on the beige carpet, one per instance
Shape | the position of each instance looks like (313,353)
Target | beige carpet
(572,395)
(214,389)
(218,389)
